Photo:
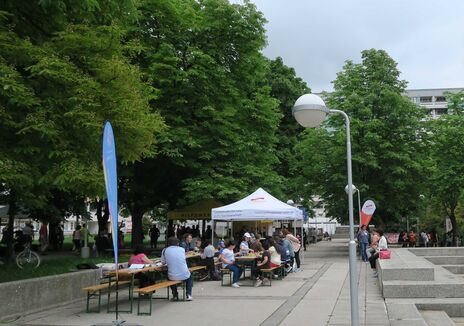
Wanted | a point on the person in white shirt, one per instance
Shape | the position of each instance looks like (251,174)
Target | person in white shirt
(382,245)
(227,258)
(174,257)
(207,259)
(244,245)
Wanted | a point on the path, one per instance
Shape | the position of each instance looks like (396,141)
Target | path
(319,295)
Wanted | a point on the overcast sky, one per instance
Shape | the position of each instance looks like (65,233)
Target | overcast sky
(316,37)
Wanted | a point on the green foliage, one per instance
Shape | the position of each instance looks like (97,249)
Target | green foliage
(286,87)
(64,71)
(385,133)
(446,182)
(204,59)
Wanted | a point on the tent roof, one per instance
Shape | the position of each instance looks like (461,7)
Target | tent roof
(198,211)
(260,205)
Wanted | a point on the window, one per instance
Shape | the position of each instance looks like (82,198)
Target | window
(441,111)
(440,99)
(426,99)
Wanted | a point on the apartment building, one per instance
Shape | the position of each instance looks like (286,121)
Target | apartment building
(432,99)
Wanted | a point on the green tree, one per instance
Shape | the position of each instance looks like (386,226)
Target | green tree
(447,160)
(64,69)
(286,87)
(204,59)
(388,153)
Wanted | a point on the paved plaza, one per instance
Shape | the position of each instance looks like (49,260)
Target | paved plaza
(319,295)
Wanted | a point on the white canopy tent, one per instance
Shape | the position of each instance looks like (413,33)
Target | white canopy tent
(259,206)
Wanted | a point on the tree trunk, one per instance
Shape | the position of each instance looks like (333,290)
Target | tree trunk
(12,210)
(454,224)
(102,214)
(137,230)
(52,236)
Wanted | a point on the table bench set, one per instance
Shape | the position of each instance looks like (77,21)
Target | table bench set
(248,263)
(127,280)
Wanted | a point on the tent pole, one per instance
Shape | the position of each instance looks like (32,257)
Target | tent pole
(212,232)
(301,243)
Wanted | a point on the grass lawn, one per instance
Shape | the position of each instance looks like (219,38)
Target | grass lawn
(48,266)
(61,262)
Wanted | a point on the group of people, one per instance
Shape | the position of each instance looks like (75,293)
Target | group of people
(282,248)
(410,239)
(25,236)
(371,245)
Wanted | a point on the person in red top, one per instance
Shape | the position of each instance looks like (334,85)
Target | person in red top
(139,257)
(412,239)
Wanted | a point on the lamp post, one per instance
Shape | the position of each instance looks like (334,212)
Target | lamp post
(359,200)
(310,111)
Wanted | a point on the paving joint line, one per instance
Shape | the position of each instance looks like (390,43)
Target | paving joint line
(286,308)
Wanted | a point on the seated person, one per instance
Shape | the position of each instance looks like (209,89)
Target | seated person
(263,263)
(187,243)
(221,246)
(174,257)
(227,258)
(257,246)
(382,245)
(139,257)
(244,245)
(275,251)
(207,258)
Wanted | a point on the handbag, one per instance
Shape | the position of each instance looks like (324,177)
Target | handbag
(385,254)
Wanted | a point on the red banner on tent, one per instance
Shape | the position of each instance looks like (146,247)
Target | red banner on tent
(367,211)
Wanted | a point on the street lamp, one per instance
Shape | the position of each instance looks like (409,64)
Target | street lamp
(310,111)
(359,200)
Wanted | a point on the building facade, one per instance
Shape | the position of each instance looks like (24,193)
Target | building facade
(432,99)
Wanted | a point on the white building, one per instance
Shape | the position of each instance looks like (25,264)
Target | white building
(432,99)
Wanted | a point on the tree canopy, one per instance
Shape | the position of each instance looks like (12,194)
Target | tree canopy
(386,141)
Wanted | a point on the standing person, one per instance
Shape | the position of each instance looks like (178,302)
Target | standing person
(84,234)
(296,246)
(227,258)
(424,238)
(174,257)
(28,232)
(187,243)
(305,239)
(43,238)
(382,245)
(363,238)
(405,239)
(208,233)
(59,236)
(77,238)
(154,235)
(412,239)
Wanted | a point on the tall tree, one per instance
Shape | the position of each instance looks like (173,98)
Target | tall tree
(204,58)
(386,141)
(447,158)
(64,70)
